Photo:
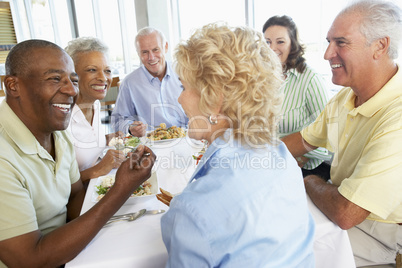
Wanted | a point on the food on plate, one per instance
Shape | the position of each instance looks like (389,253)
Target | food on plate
(132,141)
(126,144)
(197,158)
(200,154)
(108,181)
(165,197)
(115,140)
(163,133)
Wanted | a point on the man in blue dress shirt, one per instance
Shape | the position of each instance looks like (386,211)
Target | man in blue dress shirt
(148,95)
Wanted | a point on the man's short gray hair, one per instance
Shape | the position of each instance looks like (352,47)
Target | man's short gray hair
(380,19)
(147,31)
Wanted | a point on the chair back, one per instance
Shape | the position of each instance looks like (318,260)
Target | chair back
(2,89)
(111,95)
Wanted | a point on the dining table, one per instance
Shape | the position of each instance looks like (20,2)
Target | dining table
(139,243)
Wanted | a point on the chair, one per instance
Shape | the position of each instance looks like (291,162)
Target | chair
(399,260)
(110,98)
(2,91)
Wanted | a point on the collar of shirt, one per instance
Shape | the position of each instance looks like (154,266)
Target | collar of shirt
(211,150)
(151,78)
(21,135)
(80,117)
(289,74)
(388,93)
(292,72)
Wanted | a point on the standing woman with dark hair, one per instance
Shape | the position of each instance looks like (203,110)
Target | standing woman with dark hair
(305,94)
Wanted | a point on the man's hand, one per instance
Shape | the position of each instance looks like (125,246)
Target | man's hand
(138,129)
(135,170)
(301,161)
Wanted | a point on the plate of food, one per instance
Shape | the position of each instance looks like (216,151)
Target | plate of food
(164,134)
(146,191)
(126,144)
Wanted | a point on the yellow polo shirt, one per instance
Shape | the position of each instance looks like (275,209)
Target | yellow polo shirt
(367,142)
(34,188)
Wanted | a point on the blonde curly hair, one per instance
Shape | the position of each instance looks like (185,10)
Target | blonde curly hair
(234,66)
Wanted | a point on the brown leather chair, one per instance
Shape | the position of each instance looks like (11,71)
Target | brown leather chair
(110,98)
(2,90)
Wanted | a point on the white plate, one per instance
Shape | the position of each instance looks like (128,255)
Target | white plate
(149,141)
(164,141)
(133,199)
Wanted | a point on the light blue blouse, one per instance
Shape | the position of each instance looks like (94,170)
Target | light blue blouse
(145,98)
(242,208)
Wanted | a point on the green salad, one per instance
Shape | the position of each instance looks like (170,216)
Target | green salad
(107,184)
(132,142)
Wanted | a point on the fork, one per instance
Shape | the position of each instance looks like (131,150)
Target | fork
(130,217)
(152,212)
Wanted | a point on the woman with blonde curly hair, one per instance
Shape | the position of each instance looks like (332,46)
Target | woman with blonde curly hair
(239,208)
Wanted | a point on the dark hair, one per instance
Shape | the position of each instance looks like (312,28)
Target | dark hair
(295,58)
(18,59)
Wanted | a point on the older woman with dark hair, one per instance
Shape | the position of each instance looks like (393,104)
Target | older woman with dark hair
(304,89)
(240,206)
(90,58)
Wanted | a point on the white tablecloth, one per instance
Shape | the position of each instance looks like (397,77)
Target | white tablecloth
(139,243)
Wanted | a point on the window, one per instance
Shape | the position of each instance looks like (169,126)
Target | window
(111,33)
(85,18)
(61,22)
(42,22)
(114,21)
(194,14)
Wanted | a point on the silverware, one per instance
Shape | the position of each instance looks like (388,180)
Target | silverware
(128,215)
(132,217)
(120,146)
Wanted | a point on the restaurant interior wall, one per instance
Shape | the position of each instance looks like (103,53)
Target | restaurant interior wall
(117,22)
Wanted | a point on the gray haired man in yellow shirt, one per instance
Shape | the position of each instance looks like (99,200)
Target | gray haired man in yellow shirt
(362,125)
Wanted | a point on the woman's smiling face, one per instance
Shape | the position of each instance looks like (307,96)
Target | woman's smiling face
(278,39)
(95,75)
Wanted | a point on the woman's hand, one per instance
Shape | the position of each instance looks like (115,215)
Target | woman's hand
(112,159)
(138,129)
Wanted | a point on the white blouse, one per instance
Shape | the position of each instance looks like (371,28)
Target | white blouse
(89,140)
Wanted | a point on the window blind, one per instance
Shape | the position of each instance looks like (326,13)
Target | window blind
(7,31)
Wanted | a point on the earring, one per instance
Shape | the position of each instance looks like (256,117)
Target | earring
(212,121)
